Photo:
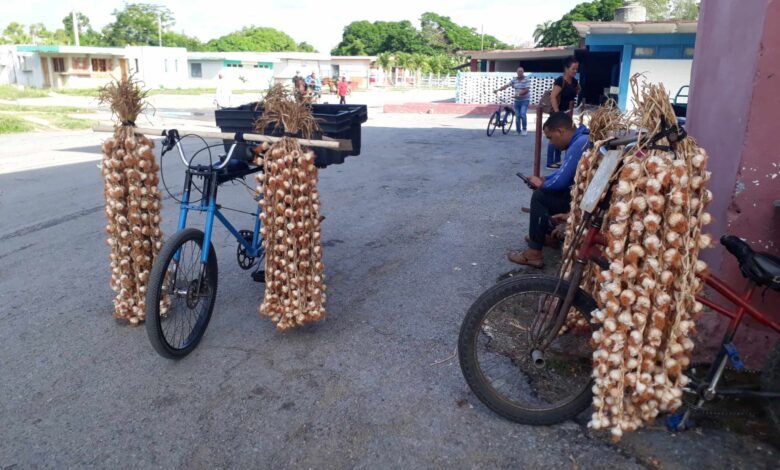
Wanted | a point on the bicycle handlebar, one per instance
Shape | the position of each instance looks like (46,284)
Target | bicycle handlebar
(173,139)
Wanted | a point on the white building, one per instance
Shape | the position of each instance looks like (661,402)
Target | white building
(170,67)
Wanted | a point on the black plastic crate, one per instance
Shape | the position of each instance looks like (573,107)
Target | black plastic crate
(335,121)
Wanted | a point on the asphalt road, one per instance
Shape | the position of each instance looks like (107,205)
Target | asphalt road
(417,226)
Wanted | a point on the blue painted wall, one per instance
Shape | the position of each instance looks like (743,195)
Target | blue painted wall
(665,46)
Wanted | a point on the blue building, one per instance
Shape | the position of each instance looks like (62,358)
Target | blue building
(616,50)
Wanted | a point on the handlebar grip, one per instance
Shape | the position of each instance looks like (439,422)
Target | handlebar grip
(619,142)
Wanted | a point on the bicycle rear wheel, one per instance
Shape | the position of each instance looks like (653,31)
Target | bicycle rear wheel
(493,123)
(495,349)
(508,121)
(179,301)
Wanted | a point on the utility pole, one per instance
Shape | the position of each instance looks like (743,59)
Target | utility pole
(159,28)
(75,21)
(482,41)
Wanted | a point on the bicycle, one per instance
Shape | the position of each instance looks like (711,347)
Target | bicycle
(182,286)
(496,119)
(520,324)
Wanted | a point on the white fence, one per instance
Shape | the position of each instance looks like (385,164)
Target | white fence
(478,87)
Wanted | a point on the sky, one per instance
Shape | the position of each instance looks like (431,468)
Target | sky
(319,23)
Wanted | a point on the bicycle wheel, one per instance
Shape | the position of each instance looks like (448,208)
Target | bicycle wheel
(493,123)
(495,353)
(177,312)
(508,121)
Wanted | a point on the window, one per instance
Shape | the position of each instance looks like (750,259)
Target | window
(137,69)
(79,63)
(644,51)
(688,52)
(196,70)
(100,65)
(58,63)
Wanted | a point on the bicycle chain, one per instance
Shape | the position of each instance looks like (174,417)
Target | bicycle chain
(701,411)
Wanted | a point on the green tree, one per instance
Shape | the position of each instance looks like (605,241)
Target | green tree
(137,25)
(455,37)
(541,30)
(174,39)
(656,9)
(562,32)
(87,35)
(366,38)
(306,47)
(685,10)
(253,38)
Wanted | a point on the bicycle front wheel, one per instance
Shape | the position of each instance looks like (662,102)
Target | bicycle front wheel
(181,294)
(493,123)
(501,365)
(508,121)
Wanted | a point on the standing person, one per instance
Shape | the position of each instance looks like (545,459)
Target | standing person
(522,97)
(299,86)
(552,194)
(562,98)
(343,90)
(224,93)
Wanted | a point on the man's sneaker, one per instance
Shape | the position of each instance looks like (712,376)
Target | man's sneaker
(524,132)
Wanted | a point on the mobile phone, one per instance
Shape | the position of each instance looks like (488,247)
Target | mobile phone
(525,180)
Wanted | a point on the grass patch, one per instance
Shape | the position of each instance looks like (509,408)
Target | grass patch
(12,124)
(78,92)
(67,122)
(10,92)
(19,108)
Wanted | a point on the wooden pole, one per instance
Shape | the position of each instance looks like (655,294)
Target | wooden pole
(538,143)
(326,143)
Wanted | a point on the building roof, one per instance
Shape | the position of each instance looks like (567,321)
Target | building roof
(522,54)
(353,57)
(585,28)
(117,51)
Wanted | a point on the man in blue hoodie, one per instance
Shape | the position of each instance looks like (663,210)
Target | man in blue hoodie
(552,194)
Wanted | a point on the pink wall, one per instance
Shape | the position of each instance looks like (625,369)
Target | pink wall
(734,113)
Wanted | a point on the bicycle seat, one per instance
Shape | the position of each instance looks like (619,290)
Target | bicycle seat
(761,268)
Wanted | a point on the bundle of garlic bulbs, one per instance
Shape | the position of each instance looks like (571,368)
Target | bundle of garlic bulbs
(295,288)
(646,298)
(132,198)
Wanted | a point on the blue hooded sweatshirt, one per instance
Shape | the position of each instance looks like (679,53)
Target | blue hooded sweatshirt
(562,178)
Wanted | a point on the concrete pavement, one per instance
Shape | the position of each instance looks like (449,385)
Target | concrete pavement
(417,227)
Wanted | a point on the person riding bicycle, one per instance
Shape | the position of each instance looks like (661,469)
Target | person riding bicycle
(552,194)
(522,97)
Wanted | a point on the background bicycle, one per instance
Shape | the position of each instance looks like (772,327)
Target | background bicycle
(503,117)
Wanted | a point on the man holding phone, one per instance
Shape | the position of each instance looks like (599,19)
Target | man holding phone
(552,194)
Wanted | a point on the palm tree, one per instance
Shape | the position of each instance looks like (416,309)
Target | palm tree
(385,60)
(541,30)
(403,60)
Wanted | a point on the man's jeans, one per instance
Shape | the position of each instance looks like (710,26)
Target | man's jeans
(544,204)
(521,109)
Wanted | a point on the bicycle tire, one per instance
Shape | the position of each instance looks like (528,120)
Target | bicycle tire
(770,382)
(467,351)
(154,295)
(493,123)
(510,119)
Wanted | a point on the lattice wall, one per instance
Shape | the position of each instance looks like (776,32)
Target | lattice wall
(477,87)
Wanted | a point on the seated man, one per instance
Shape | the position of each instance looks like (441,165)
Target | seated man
(552,194)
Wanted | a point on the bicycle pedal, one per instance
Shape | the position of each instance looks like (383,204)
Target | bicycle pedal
(678,422)
(259,276)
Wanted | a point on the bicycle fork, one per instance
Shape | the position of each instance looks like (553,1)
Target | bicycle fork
(546,334)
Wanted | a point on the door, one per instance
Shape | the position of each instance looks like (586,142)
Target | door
(45,71)
(123,68)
